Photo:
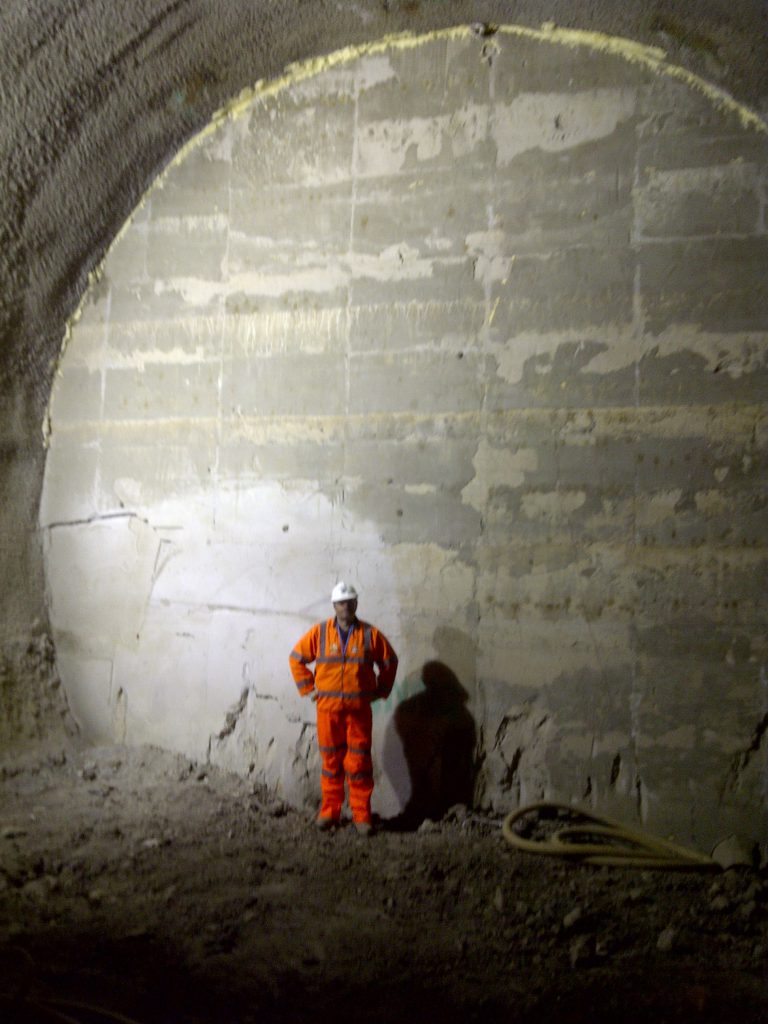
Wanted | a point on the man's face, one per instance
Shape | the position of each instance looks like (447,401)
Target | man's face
(345,611)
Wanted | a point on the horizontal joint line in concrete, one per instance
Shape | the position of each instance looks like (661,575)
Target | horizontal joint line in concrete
(226,608)
(632,412)
(720,236)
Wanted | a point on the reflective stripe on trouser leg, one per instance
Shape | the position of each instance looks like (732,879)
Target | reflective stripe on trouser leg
(332,741)
(357,762)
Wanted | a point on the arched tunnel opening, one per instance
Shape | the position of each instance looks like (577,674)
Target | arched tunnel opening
(424,318)
(475,319)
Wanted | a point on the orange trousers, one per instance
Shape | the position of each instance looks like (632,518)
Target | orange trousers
(344,738)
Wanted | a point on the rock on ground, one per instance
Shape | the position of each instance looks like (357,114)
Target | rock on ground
(151,887)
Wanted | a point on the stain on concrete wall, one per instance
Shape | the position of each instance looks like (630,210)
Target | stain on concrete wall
(480,323)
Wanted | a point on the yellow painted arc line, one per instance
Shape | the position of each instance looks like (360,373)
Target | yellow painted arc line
(633,52)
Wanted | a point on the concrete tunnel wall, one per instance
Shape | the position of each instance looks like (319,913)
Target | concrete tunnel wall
(479,322)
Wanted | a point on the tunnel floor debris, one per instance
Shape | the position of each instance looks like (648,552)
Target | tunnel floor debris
(152,887)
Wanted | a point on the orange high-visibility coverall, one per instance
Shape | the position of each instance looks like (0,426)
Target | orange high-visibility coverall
(346,683)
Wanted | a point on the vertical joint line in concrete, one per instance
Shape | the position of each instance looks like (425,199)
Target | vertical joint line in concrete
(351,248)
(111,696)
(638,333)
(634,730)
(105,336)
(762,192)
(485,334)
(638,328)
(638,318)
(222,336)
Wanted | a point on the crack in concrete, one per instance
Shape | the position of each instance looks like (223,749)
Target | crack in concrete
(511,777)
(615,771)
(639,797)
(98,517)
(741,761)
(233,717)
(512,780)
(160,562)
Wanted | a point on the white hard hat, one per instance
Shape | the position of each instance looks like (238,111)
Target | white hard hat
(343,592)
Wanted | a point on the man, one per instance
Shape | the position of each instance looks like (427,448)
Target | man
(345,651)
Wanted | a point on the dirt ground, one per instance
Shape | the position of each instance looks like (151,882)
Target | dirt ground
(137,884)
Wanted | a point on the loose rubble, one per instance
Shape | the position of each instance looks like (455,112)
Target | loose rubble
(161,890)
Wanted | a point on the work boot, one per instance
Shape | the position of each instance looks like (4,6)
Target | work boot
(324,824)
(364,829)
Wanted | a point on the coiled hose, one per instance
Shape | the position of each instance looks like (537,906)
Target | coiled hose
(616,845)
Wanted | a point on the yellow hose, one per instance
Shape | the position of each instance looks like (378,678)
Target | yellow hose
(624,847)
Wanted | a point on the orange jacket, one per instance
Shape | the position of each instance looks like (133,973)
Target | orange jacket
(344,677)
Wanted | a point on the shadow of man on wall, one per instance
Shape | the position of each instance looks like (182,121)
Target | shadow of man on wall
(437,734)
